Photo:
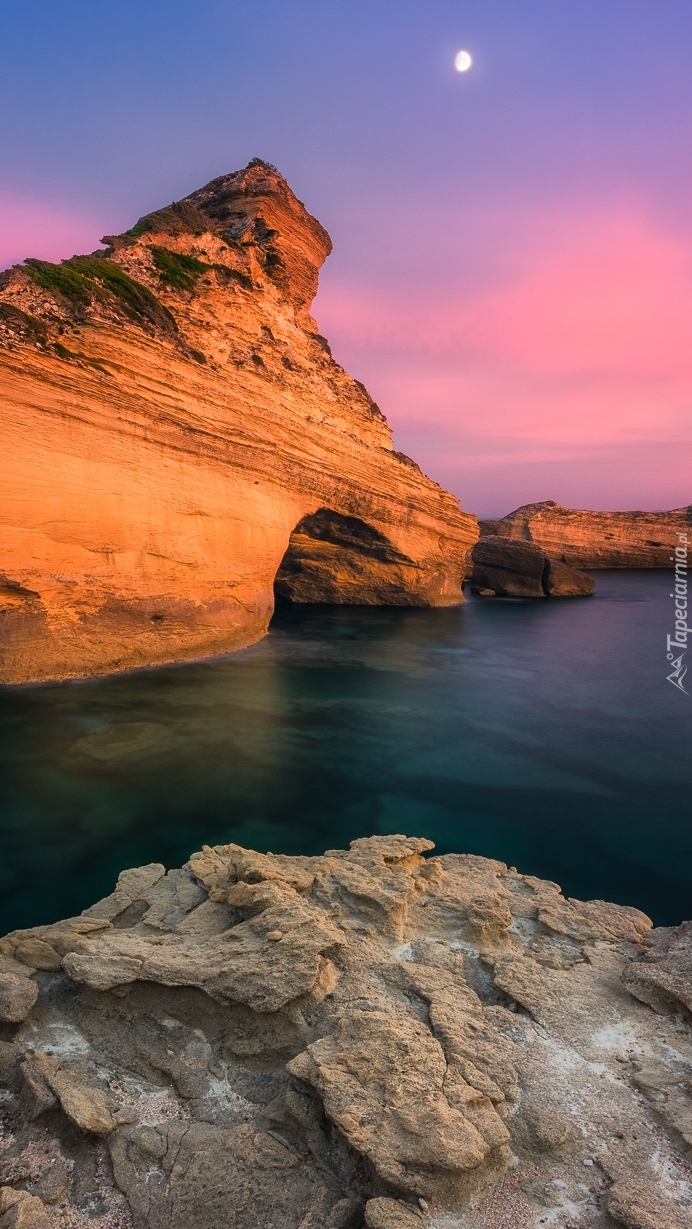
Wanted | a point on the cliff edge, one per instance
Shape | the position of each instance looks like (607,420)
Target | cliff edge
(175,431)
(374,1037)
(584,539)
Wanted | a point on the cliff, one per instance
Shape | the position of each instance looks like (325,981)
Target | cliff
(373,1038)
(170,416)
(596,539)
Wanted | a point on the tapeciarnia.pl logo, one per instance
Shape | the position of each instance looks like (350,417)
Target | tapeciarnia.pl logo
(677,643)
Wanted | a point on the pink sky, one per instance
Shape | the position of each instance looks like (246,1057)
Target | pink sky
(30,227)
(529,354)
(519,354)
(512,265)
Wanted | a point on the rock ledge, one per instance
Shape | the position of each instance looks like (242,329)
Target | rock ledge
(374,1037)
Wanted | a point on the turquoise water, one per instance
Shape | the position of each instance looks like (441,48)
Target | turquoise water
(542,733)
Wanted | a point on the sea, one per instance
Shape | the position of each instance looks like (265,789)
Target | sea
(544,733)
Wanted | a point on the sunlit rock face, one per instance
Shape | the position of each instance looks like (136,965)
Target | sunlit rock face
(586,539)
(170,416)
(369,1038)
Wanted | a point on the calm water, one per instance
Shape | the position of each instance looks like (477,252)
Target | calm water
(542,733)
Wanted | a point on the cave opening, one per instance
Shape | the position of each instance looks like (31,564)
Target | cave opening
(340,560)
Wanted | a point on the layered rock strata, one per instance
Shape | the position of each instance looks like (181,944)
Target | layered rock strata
(375,1037)
(509,568)
(596,539)
(170,416)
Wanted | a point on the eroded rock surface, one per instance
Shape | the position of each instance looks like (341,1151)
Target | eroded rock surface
(174,426)
(509,568)
(374,1037)
(585,539)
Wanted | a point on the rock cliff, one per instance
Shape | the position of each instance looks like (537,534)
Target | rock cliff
(171,416)
(373,1038)
(596,539)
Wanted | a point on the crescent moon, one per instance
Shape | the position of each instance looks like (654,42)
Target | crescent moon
(463,61)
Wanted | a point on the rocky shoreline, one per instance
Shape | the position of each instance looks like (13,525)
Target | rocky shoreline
(180,447)
(375,1037)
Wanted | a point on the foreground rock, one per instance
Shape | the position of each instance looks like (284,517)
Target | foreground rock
(596,539)
(507,568)
(370,1038)
(174,426)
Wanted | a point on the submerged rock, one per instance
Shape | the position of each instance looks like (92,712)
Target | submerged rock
(371,1038)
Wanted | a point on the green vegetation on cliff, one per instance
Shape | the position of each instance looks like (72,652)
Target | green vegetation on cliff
(83,278)
(177,269)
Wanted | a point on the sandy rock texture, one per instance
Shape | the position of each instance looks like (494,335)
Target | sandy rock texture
(586,539)
(171,415)
(375,1037)
(509,568)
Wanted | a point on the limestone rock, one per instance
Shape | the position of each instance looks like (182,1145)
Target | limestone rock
(593,919)
(511,568)
(20,1210)
(342,561)
(132,886)
(595,539)
(36,1072)
(662,976)
(561,580)
(86,1107)
(176,433)
(53,1186)
(373,1036)
(238,966)
(547,1127)
(391,1214)
(44,946)
(515,570)
(17,997)
(636,1206)
(37,954)
(180,1175)
(10,1057)
(381,1080)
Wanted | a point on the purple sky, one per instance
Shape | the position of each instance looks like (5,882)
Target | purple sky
(512,273)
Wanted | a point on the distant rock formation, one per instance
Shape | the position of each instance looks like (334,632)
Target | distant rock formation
(173,423)
(504,567)
(595,539)
(369,1038)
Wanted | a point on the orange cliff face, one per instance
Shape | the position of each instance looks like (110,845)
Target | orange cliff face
(170,416)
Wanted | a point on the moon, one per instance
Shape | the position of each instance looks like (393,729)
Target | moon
(463,61)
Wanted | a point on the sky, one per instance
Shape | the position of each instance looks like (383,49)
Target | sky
(512,265)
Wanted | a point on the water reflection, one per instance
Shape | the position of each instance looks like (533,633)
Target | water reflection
(542,733)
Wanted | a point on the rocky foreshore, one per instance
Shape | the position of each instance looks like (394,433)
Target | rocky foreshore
(585,539)
(375,1037)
